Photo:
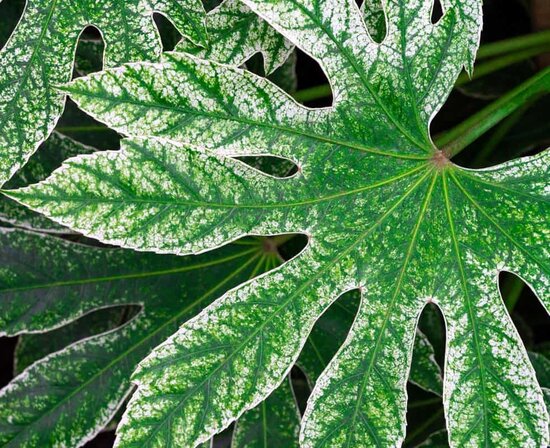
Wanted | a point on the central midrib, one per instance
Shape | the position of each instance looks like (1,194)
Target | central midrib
(179,202)
(277,127)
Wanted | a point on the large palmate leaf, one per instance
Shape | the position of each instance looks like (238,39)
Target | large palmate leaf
(384,210)
(40,54)
(45,282)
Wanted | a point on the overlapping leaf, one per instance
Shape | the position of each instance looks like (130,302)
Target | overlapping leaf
(384,211)
(35,346)
(52,152)
(236,33)
(69,396)
(46,392)
(40,54)
(274,422)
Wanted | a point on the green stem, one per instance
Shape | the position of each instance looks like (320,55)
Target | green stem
(533,44)
(498,135)
(496,64)
(458,138)
(312,93)
(513,44)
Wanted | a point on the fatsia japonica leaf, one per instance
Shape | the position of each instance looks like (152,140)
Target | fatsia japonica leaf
(45,282)
(32,347)
(40,54)
(384,210)
(50,376)
(236,33)
(274,422)
(329,334)
(49,156)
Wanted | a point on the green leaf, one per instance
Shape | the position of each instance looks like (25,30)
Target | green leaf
(69,396)
(49,157)
(40,54)
(32,347)
(235,34)
(546,394)
(89,56)
(425,371)
(330,331)
(375,19)
(274,422)
(383,209)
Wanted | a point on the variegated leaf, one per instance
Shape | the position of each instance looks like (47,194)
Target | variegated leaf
(235,34)
(50,155)
(384,210)
(40,55)
(70,395)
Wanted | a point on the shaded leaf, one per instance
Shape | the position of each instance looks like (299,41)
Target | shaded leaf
(438,439)
(33,347)
(69,396)
(274,422)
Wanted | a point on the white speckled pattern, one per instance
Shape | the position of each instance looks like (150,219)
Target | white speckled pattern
(380,214)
